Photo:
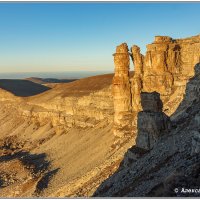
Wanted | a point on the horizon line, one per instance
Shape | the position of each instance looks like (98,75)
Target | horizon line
(58,71)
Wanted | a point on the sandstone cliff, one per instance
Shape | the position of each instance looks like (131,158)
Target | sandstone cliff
(166,68)
(152,122)
(122,91)
(172,166)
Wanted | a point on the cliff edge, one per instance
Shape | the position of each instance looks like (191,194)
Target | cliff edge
(170,166)
(165,68)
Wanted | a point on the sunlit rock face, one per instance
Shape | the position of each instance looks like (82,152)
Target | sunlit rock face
(168,65)
(121,91)
(166,68)
(136,81)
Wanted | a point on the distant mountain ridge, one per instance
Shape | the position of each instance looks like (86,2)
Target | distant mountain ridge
(49,80)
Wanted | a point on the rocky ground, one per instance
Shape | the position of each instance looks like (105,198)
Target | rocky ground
(22,173)
(43,154)
(172,166)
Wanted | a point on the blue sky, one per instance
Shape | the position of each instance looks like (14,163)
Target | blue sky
(55,37)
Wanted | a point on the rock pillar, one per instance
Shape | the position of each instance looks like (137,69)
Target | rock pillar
(136,81)
(122,91)
(152,122)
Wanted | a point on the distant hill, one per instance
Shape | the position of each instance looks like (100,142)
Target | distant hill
(49,80)
(78,88)
(22,88)
(63,87)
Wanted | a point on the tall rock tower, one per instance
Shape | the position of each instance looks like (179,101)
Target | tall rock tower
(122,91)
(136,80)
(166,68)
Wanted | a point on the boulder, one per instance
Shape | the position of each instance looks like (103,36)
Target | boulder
(152,123)
(151,102)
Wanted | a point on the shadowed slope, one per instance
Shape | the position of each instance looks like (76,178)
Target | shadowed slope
(22,88)
(172,166)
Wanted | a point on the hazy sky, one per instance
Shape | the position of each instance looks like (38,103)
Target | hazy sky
(82,36)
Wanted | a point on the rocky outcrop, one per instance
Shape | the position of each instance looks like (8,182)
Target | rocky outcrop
(67,124)
(82,104)
(191,96)
(152,122)
(166,68)
(122,91)
(151,126)
(171,167)
(136,80)
(67,112)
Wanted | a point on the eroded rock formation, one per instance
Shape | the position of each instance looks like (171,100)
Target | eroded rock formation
(169,63)
(172,165)
(166,68)
(152,122)
(191,96)
(136,81)
(122,91)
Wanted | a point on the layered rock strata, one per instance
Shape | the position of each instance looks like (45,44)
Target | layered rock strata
(152,122)
(136,80)
(168,64)
(171,168)
(83,104)
(122,91)
(67,125)
(166,68)
(63,113)
(191,96)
